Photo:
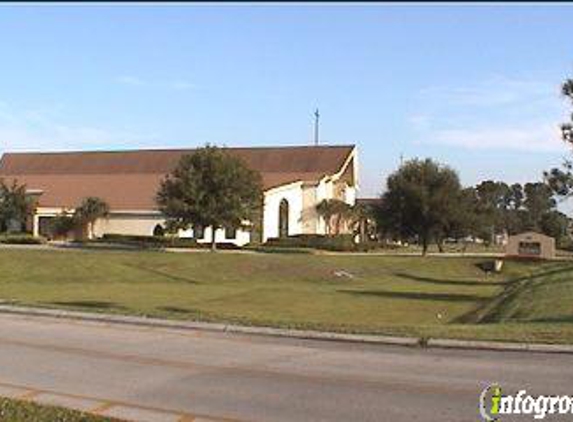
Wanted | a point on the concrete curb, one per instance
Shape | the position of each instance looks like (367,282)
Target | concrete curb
(501,346)
(285,333)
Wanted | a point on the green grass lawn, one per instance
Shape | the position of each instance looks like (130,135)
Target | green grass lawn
(24,411)
(447,297)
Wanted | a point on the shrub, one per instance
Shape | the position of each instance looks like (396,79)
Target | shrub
(62,225)
(565,243)
(148,241)
(160,242)
(278,249)
(368,245)
(340,243)
(21,239)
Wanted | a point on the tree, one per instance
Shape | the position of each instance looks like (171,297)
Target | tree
(334,212)
(362,216)
(63,224)
(538,202)
(513,216)
(421,201)
(89,211)
(560,180)
(556,224)
(15,205)
(210,188)
(465,220)
(501,208)
(493,205)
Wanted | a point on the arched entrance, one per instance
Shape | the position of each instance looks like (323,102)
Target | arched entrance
(283,218)
(159,231)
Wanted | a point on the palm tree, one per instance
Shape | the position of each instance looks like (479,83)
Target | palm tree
(90,210)
(334,212)
(15,204)
(362,217)
(324,209)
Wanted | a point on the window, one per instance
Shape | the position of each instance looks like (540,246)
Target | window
(198,232)
(230,233)
(159,231)
(529,248)
(283,218)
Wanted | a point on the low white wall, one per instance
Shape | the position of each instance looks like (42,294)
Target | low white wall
(144,226)
(242,237)
(137,225)
(140,224)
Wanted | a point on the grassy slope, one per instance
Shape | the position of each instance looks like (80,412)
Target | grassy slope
(23,411)
(544,298)
(398,295)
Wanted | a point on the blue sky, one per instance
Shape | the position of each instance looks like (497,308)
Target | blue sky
(474,86)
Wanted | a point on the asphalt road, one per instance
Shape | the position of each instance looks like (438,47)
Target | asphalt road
(247,378)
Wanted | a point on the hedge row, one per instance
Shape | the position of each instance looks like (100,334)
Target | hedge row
(160,242)
(342,243)
(339,243)
(21,239)
(300,243)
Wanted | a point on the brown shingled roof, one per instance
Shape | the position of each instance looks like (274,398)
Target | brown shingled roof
(128,180)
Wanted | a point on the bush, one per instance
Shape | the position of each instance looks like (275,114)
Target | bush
(21,239)
(565,243)
(62,225)
(339,243)
(277,249)
(369,245)
(161,242)
(149,241)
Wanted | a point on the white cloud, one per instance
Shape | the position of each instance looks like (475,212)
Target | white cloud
(536,138)
(497,113)
(131,80)
(28,130)
(490,92)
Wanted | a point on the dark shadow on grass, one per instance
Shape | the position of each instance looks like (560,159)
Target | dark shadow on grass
(164,274)
(492,311)
(92,304)
(431,280)
(447,297)
(555,319)
(553,271)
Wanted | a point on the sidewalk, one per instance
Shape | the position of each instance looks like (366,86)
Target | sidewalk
(96,406)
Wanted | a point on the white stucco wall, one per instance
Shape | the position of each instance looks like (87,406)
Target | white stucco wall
(350,195)
(309,217)
(144,226)
(141,224)
(137,225)
(293,194)
(242,237)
